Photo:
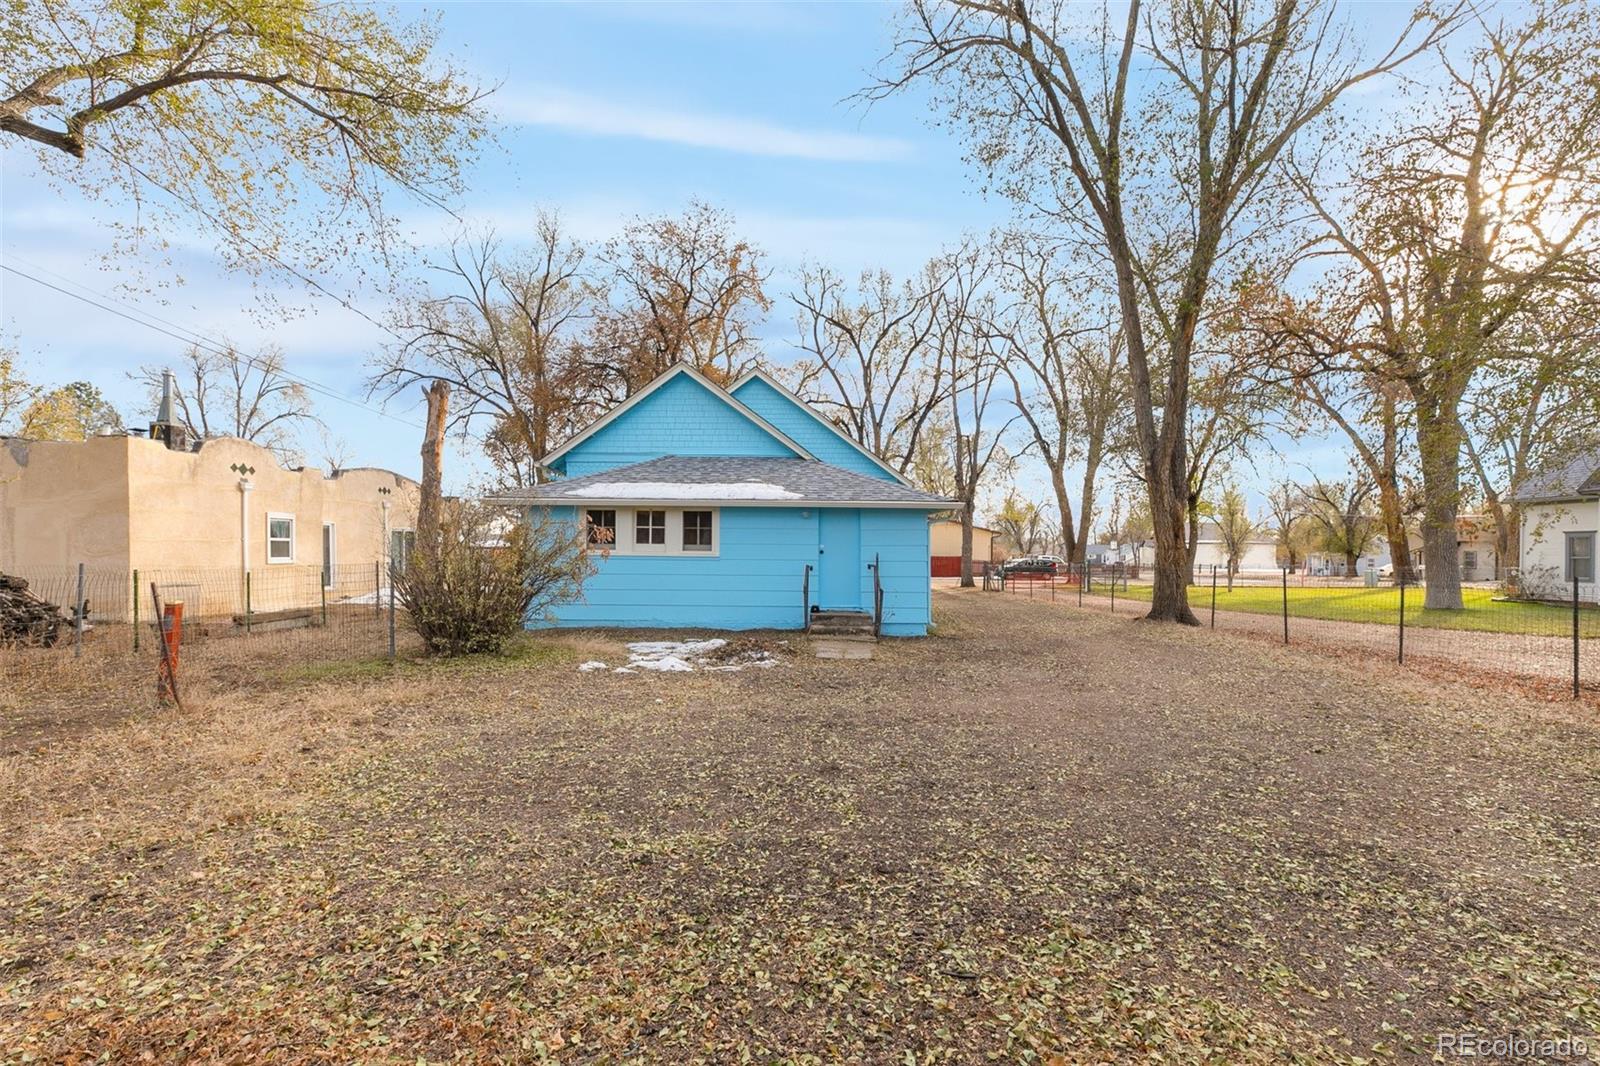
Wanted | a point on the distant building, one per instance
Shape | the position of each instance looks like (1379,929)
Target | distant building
(1260,553)
(1557,535)
(162,505)
(944,540)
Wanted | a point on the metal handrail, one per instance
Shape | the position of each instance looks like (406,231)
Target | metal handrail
(877,597)
(805,598)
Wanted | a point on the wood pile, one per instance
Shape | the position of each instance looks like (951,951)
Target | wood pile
(25,618)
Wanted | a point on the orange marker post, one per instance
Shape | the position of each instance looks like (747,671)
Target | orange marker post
(172,637)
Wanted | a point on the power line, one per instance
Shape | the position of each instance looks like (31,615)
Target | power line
(182,334)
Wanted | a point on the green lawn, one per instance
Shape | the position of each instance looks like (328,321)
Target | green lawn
(1482,612)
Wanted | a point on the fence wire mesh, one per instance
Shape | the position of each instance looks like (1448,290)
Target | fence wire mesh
(1554,642)
(102,645)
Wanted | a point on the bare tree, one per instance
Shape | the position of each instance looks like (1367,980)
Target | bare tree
(1479,213)
(967,347)
(680,290)
(505,335)
(1158,147)
(1235,527)
(867,356)
(1068,378)
(1286,505)
(1342,513)
(223,392)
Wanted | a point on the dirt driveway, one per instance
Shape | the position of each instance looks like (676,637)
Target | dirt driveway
(1042,832)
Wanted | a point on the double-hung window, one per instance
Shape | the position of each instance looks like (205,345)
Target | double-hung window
(697,526)
(1580,556)
(280,538)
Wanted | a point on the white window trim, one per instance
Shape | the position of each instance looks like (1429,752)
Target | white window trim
(330,548)
(1567,558)
(388,549)
(279,516)
(673,548)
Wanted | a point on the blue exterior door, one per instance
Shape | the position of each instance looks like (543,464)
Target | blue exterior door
(839,558)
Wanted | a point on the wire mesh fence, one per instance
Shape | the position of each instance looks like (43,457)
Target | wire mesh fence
(98,640)
(1493,631)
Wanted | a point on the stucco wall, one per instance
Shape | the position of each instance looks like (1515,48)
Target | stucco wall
(64,502)
(1544,545)
(119,503)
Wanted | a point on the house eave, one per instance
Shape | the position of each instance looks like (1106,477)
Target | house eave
(680,502)
(784,390)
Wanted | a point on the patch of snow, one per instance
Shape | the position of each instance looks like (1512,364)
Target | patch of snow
(667,664)
(679,490)
(683,649)
(681,657)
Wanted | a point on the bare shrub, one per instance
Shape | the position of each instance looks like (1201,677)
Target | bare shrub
(487,575)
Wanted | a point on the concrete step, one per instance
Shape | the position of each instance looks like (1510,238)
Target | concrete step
(841,617)
(836,633)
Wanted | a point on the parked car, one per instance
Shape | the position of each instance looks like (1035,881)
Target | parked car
(1029,564)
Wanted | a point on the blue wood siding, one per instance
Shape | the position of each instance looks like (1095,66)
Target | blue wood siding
(754,580)
(805,427)
(899,541)
(682,417)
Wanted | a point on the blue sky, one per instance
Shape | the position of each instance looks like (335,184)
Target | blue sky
(608,111)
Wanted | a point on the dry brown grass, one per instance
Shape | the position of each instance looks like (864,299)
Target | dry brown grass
(1038,835)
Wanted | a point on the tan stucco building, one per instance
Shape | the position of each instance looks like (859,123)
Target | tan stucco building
(124,502)
(944,544)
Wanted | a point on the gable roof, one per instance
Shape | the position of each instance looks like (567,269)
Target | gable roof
(1576,479)
(757,372)
(674,371)
(744,481)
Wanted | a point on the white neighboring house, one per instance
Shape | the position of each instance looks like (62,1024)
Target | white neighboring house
(1560,529)
(1260,551)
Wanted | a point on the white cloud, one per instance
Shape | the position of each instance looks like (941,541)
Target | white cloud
(581,113)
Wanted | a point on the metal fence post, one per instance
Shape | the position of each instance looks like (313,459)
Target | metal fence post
(1113,592)
(391,616)
(377,587)
(1402,616)
(1286,605)
(136,609)
(1083,569)
(1576,692)
(1213,595)
(247,603)
(77,618)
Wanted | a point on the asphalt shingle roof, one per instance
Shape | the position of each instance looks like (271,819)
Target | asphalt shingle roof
(728,479)
(1572,480)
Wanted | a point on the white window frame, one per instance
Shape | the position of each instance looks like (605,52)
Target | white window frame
(627,527)
(665,547)
(683,528)
(389,547)
(1567,557)
(616,530)
(279,516)
(330,552)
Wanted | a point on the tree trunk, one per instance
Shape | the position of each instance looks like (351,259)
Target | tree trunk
(966,547)
(1350,563)
(1394,531)
(1439,442)
(1169,599)
(1072,547)
(438,397)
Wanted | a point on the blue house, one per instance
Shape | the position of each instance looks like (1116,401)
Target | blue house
(735,508)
